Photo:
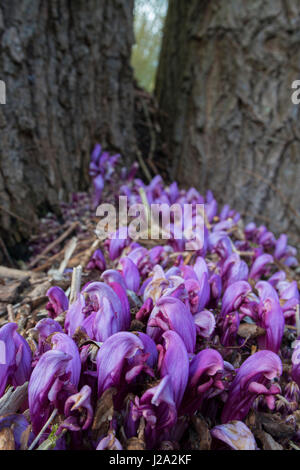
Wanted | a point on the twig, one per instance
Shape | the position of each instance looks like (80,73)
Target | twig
(14,273)
(76,282)
(293,445)
(11,314)
(54,243)
(49,261)
(68,253)
(36,440)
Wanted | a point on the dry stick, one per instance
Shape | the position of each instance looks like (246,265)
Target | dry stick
(11,314)
(36,440)
(75,284)
(54,243)
(48,263)
(68,253)
(14,273)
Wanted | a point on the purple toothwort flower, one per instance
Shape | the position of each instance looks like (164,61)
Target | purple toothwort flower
(120,360)
(117,242)
(158,409)
(47,380)
(173,361)
(75,315)
(15,366)
(205,374)
(234,269)
(270,317)
(131,274)
(81,403)
(260,266)
(205,323)
(58,301)
(172,314)
(296,362)
(251,380)
(45,328)
(120,314)
(109,442)
(97,261)
(234,296)
(63,342)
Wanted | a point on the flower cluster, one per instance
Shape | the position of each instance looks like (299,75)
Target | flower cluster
(159,330)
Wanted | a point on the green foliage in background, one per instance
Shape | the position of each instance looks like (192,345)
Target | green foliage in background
(149,18)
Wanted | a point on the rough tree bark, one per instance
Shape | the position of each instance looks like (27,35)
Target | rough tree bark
(66,65)
(224,78)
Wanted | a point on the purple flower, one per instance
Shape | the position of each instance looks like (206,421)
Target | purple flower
(205,373)
(63,342)
(75,316)
(235,435)
(251,380)
(120,360)
(131,274)
(113,276)
(280,247)
(46,327)
(270,317)
(16,366)
(158,409)
(296,363)
(233,270)
(81,402)
(97,261)
(149,348)
(117,242)
(173,361)
(97,291)
(98,183)
(228,326)
(47,380)
(205,323)
(259,267)
(109,442)
(172,314)
(198,292)
(234,296)
(58,301)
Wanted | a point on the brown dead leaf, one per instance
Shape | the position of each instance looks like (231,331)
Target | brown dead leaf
(7,440)
(276,426)
(203,432)
(104,412)
(267,441)
(249,330)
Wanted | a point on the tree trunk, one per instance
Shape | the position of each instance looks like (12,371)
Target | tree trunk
(224,78)
(66,66)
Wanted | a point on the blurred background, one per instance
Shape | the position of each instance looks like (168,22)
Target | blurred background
(198,92)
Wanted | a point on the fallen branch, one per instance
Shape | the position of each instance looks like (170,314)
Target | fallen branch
(54,243)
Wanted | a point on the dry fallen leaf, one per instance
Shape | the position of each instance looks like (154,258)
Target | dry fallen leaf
(7,440)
